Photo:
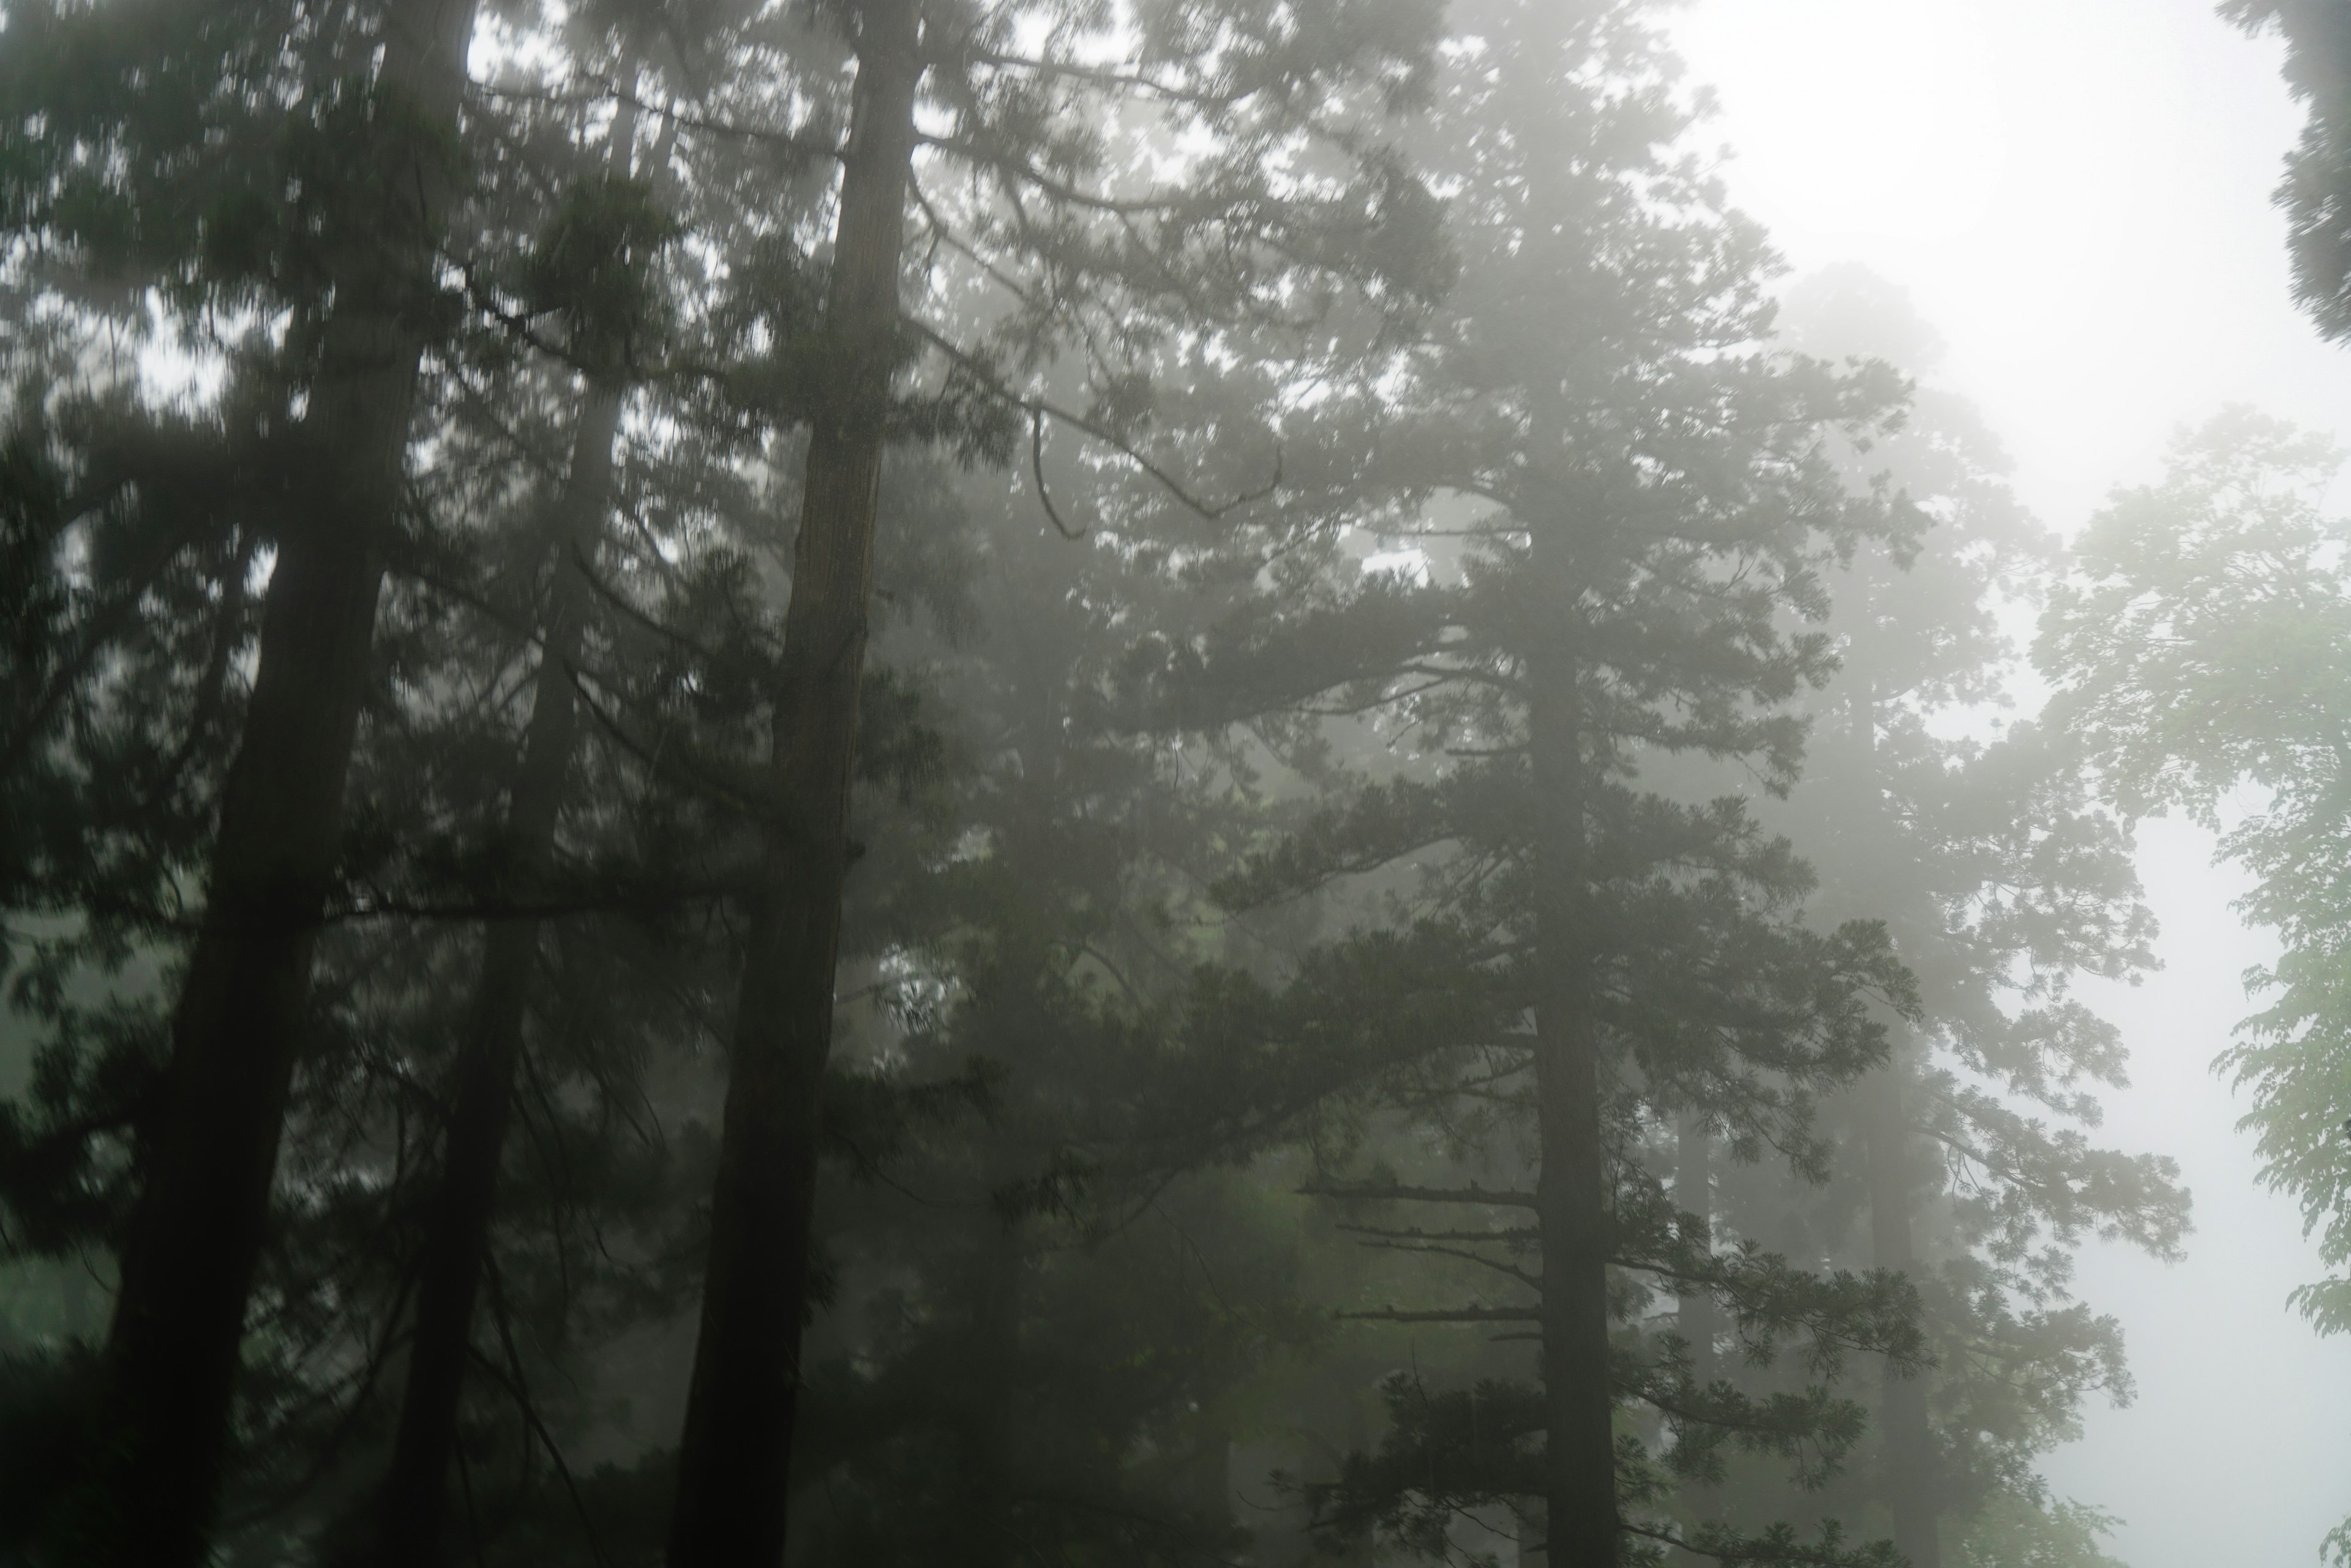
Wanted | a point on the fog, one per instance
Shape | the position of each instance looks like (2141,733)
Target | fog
(1050,784)
(2076,194)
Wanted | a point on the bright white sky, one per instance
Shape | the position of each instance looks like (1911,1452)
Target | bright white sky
(2077,194)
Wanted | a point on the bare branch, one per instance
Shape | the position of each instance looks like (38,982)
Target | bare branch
(1471,1194)
(1531,1282)
(1447,1315)
(1038,408)
(1514,1235)
(1102,77)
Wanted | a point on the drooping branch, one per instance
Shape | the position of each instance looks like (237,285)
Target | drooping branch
(1044,491)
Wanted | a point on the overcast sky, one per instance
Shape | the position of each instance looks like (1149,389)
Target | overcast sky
(2076,194)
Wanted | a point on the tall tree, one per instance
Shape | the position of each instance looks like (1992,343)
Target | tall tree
(2000,882)
(736,1447)
(1611,498)
(602,245)
(1085,258)
(380,198)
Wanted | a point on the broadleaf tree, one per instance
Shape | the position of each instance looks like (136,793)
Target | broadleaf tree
(2198,656)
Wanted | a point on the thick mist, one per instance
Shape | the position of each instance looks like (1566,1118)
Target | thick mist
(1171,784)
(2076,195)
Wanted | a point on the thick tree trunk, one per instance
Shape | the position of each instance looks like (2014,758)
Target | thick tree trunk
(410,1505)
(196,1233)
(1909,1439)
(736,1449)
(1570,1190)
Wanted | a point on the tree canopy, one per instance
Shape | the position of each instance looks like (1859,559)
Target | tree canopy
(894,781)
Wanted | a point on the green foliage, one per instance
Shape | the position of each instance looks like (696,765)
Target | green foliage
(1382,385)
(2200,662)
(2025,1530)
(1618,505)
(1969,1161)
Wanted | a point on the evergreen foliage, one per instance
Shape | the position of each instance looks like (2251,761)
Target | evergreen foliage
(881,781)
(1972,1171)
(1613,509)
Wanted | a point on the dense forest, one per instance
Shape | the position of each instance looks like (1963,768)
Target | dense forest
(1079,783)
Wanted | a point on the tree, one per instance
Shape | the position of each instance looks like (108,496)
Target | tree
(2000,882)
(1083,261)
(603,243)
(2198,655)
(1052,1315)
(140,685)
(1612,498)
(208,1149)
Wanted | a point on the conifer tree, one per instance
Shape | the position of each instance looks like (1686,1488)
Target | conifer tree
(599,249)
(1087,258)
(1048,1314)
(2000,882)
(1618,497)
(155,93)
(552,257)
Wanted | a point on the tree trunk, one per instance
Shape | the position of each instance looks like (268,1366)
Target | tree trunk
(1571,1195)
(985,1533)
(409,1506)
(196,1232)
(1909,1439)
(736,1449)
(1700,1315)
(1908,1442)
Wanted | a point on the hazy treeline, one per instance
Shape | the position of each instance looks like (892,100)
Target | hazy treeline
(1178,783)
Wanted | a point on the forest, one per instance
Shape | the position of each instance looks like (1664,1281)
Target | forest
(1088,784)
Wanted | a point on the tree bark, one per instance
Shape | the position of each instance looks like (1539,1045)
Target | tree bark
(736,1452)
(984,1476)
(1909,1439)
(195,1235)
(410,1505)
(1700,1315)
(1570,1190)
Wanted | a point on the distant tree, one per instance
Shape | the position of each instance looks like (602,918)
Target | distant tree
(1999,883)
(2200,656)
(1050,1317)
